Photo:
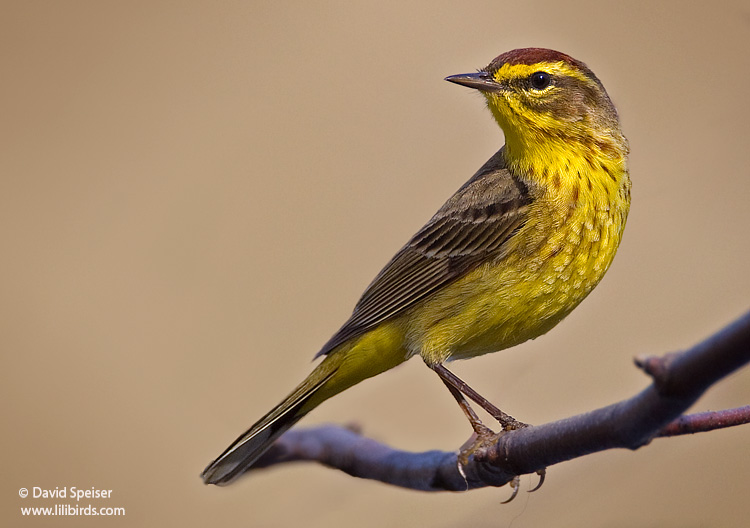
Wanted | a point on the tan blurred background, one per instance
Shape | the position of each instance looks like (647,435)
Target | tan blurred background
(195,194)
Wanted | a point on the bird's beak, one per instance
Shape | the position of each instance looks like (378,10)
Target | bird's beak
(481,81)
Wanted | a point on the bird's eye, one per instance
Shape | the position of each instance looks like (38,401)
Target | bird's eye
(540,80)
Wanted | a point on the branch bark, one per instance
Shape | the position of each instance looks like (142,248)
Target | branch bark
(678,380)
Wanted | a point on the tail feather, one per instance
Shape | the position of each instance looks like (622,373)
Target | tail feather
(373,353)
(251,445)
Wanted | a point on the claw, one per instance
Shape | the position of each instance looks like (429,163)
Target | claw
(461,472)
(515,484)
(542,473)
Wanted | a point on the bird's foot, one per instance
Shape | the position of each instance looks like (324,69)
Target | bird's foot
(507,422)
(484,438)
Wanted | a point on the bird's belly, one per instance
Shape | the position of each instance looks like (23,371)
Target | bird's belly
(500,305)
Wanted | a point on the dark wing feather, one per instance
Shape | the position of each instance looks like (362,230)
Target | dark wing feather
(474,224)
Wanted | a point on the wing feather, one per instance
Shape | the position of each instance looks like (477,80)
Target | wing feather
(472,227)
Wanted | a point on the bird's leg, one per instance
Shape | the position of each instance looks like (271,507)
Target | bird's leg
(482,434)
(455,383)
(479,428)
(458,388)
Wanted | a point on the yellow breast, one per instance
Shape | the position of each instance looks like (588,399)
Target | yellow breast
(556,259)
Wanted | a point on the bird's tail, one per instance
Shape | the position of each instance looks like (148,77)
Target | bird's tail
(376,352)
(244,451)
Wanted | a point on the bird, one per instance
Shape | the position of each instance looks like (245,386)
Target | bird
(504,260)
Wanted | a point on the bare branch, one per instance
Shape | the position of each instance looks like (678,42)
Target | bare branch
(679,379)
(707,421)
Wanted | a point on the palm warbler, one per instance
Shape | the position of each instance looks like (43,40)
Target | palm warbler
(507,257)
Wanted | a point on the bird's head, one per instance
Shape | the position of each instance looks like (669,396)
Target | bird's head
(542,97)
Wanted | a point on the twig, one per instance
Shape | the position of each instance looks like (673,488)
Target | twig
(707,421)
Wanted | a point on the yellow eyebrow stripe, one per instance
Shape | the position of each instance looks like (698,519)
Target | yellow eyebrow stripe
(520,71)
